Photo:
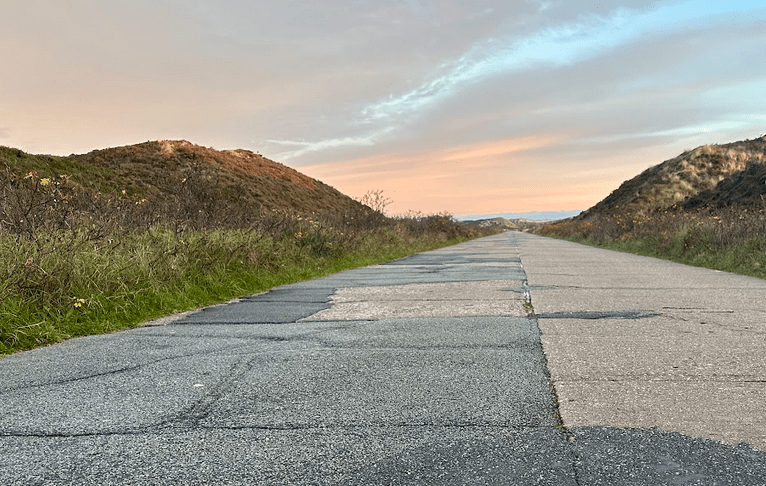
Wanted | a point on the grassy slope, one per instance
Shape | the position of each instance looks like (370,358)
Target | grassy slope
(238,175)
(692,173)
(105,241)
(98,303)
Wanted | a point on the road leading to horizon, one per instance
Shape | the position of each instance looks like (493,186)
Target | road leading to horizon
(431,369)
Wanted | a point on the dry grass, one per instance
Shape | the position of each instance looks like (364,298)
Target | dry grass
(731,239)
(674,181)
(725,227)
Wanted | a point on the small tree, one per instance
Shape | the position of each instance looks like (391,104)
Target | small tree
(375,200)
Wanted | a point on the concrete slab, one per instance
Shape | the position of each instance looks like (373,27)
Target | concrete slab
(651,349)
(465,332)
(445,299)
(397,279)
(692,377)
(688,354)
(656,299)
(725,410)
(477,290)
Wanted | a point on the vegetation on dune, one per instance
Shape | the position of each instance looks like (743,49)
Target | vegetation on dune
(706,207)
(731,239)
(97,244)
(694,179)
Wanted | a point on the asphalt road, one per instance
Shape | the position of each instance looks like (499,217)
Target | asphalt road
(511,359)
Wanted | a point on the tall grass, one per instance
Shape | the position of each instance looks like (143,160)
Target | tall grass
(74,262)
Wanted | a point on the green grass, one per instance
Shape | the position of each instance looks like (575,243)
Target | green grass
(731,239)
(746,257)
(93,287)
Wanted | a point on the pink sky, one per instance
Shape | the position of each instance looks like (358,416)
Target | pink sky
(473,108)
(474,179)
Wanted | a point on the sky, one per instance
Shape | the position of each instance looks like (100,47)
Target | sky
(471,108)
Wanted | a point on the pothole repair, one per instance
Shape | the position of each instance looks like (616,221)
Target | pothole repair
(444,299)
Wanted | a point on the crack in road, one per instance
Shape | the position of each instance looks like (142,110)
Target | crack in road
(381,426)
(191,415)
(588,315)
(574,459)
(201,409)
(118,370)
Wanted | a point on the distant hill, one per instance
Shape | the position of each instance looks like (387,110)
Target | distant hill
(712,176)
(500,223)
(162,169)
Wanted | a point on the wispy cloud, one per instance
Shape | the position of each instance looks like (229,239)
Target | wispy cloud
(556,46)
(568,43)
(307,147)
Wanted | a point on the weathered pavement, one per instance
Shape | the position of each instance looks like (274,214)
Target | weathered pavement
(427,370)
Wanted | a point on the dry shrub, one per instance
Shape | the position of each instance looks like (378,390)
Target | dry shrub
(720,228)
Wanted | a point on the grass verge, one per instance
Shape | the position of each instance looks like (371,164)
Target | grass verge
(76,261)
(96,288)
(746,257)
(731,239)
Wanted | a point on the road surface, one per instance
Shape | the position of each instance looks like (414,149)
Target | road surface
(512,359)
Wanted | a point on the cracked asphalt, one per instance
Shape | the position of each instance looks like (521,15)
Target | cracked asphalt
(432,369)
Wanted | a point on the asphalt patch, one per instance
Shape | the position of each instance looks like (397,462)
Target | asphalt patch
(608,456)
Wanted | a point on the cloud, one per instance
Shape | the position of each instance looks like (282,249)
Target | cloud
(459,103)
(578,41)
(306,147)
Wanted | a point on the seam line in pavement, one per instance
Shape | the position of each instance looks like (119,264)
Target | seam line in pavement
(649,380)
(121,370)
(529,306)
